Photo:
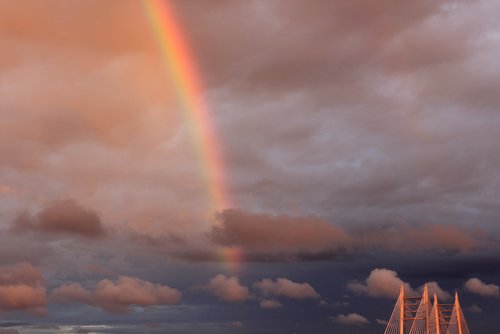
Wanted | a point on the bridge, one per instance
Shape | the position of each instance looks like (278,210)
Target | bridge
(416,315)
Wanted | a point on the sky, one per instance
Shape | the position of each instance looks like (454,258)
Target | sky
(355,145)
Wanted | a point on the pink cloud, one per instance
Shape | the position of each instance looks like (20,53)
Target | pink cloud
(475,285)
(351,319)
(64,216)
(434,288)
(270,303)
(227,289)
(20,273)
(424,236)
(280,233)
(380,283)
(9,331)
(386,283)
(286,288)
(21,289)
(118,297)
(283,237)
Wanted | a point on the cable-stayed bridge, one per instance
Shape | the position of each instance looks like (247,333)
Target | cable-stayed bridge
(416,315)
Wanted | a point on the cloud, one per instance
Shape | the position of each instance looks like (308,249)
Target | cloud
(351,319)
(386,283)
(280,234)
(119,296)
(286,288)
(270,303)
(21,289)
(235,324)
(20,273)
(382,322)
(227,289)
(434,288)
(423,237)
(63,216)
(267,237)
(9,331)
(474,309)
(475,285)
(381,283)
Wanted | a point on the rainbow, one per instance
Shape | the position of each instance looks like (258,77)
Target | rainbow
(184,75)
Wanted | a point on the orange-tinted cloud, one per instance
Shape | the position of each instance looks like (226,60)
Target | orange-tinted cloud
(119,296)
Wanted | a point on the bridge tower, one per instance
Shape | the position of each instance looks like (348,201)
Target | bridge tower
(416,315)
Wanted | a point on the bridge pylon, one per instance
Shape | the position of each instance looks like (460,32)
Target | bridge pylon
(416,315)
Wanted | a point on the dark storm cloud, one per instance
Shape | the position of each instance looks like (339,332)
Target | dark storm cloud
(64,216)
